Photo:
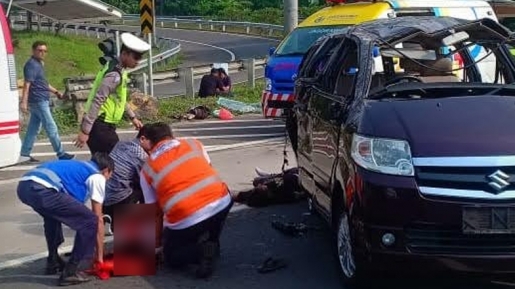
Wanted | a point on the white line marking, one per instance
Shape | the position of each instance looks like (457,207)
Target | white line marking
(208,149)
(20,261)
(228,127)
(9,181)
(228,136)
(233,57)
(28,259)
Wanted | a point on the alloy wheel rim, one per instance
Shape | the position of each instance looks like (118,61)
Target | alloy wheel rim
(345,255)
(310,204)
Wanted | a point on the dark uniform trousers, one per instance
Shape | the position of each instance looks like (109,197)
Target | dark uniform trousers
(134,198)
(184,247)
(59,208)
(102,137)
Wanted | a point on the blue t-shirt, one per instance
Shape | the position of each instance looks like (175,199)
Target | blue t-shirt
(35,74)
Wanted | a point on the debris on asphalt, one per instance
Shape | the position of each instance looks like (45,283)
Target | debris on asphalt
(272,264)
(292,229)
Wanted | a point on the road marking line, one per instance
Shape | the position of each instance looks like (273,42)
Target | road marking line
(48,154)
(208,149)
(228,127)
(233,57)
(228,136)
(28,259)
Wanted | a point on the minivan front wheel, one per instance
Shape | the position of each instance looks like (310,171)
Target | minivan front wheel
(344,249)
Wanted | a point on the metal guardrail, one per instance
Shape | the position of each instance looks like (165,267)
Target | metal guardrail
(133,17)
(201,70)
(163,56)
(173,47)
(250,28)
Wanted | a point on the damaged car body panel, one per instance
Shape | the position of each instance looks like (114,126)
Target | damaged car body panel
(417,165)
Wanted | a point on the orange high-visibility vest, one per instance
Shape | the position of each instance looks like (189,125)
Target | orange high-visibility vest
(183,179)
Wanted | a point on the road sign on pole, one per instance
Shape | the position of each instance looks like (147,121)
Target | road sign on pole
(146,16)
(146,10)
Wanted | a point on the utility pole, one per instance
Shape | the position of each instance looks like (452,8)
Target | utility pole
(291,15)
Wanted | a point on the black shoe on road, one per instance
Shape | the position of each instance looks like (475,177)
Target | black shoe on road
(74,279)
(71,276)
(66,156)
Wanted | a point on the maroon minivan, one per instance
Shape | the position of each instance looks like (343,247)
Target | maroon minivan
(405,141)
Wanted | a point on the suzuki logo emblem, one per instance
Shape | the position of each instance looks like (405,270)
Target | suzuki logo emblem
(498,180)
(293,77)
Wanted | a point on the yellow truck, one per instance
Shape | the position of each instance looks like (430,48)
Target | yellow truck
(283,61)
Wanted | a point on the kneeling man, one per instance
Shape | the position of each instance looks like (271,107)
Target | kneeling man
(194,200)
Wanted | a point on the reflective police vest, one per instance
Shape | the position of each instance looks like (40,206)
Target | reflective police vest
(67,176)
(113,108)
(183,180)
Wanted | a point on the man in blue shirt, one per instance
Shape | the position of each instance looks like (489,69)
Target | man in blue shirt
(58,191)
(36,99)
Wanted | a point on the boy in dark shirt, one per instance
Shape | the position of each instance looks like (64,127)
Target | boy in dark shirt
(210,84)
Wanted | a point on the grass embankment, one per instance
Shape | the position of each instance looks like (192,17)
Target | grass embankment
(76,55)
(168,108)
(68,55)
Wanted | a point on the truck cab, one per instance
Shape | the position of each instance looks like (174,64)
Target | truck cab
(10,142)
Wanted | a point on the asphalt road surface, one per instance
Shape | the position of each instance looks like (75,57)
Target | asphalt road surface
(247,240)
(205,47)
(214,134)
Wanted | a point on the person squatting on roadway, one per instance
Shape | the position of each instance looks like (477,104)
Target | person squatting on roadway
(124,185)
(193,199)
(107,100)
(58,191)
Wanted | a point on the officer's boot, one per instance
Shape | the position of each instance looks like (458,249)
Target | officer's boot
(72,276)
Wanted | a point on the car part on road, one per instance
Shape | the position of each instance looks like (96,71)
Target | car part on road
(293,229)
(272,264)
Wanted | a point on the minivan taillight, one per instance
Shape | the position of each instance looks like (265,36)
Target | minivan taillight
(9,48)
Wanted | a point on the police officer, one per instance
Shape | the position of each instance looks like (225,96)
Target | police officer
(58,190)
(107,101)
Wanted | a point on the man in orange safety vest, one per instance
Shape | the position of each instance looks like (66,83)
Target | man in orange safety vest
(189,193)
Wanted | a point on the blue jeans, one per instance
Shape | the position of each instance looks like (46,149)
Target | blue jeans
(40,114)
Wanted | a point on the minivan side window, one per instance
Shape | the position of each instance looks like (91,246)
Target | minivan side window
(345,71)
(321,57)
(307,59)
